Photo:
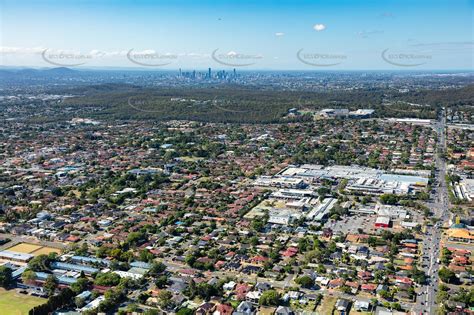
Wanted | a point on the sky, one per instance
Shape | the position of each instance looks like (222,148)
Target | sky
(253,35)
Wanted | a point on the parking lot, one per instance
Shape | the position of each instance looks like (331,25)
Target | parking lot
(351,224)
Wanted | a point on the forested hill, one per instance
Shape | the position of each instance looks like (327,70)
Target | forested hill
(245,105)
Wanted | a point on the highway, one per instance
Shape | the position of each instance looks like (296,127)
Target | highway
(426,302)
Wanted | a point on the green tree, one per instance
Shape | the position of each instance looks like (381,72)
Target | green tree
(384,294)
(164,299)
(445,256)
(305,281)
(447,275)
(443,294)
(107,279)
(184,311)
(257,224)
(323,191)
(5,277)
(418,275)
(389,199)
(50,285)
(372,241)
(79,302)
(146,256)
(157,268)
(206,290)
(80,285)
(39,263)
(161,281)
(396,306)
(28,276)
(269,298)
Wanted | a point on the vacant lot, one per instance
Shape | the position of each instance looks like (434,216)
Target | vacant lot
(327,305)
(13,303)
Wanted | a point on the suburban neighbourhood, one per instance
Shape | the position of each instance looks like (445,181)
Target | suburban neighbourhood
(331,216)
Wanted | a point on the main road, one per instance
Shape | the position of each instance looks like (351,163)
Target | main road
(426,302)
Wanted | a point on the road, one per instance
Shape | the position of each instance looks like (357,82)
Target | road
(426,302)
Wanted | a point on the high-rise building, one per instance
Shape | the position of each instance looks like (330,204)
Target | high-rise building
(209,73)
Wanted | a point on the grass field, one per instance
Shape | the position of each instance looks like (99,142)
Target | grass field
(327,305)
(33,249)
(24,248)
(13,303)
(46,251)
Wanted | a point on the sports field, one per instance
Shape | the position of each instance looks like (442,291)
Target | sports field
(13,303)
(24,248)
(33,249)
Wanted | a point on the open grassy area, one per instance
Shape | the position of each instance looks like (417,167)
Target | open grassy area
(13,303)
(33,249)
(45,251)
(190,158)
(327,305)
(304,307)
(24,248)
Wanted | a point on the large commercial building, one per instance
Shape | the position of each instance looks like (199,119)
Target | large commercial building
(382,222)
(465,189)
(362,180)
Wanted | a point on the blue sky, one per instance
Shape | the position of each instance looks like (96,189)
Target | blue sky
(306,35)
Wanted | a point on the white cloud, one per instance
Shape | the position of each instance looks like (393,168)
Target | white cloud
(195,55)
(279,34)
(5,50)
(97,53)
(146,52)
(319,27)
(114,53)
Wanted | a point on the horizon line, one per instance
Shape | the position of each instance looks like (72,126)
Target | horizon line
(151,69)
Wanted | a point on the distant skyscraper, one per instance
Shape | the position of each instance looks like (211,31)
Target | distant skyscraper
(209,73)
(180,72)
(235,73)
